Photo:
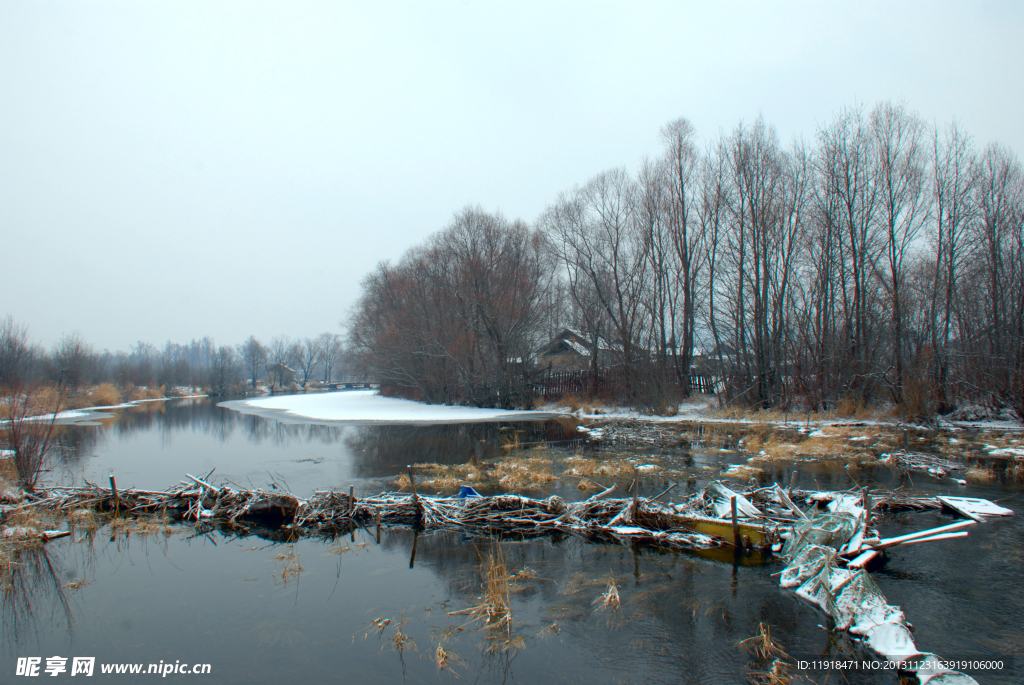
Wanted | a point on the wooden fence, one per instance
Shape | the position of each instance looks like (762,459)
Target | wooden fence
(608,382)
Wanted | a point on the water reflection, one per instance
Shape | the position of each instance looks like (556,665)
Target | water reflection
(32,593)
(154,444)
(385,450)
(260,611)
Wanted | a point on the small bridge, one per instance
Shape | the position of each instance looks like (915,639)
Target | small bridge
(352,385)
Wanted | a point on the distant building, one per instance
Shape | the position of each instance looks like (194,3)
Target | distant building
(570,351)
(281,375)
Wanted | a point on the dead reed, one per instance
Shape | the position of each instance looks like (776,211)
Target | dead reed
(609,599)
(290,568)
(28,432)
(771,667)
(494,610)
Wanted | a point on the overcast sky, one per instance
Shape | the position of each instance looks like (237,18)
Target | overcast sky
(170,170)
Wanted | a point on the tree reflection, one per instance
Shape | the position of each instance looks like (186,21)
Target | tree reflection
(32,590)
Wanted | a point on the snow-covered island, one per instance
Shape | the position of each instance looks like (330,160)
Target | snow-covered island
(369,407)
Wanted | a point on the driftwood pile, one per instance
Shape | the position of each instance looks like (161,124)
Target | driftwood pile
(330,513)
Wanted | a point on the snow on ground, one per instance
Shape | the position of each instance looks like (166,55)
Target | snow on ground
(704,408)
(367,406)
(87,414)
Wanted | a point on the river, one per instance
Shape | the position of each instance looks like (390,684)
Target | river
(275,611)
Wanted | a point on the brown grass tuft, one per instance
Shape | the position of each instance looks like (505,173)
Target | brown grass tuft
(977,474)
(770,657)
(290,568)
(609,599)
(495,609)
(104,395)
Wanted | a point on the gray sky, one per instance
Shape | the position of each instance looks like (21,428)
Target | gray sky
(170,170)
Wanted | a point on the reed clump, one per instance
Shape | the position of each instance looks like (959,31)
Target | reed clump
(103,395)
(136,393)
(1015,472)
(979,474)
(494,611)
(290,568)
(609,599)
(771,667)
(607,468)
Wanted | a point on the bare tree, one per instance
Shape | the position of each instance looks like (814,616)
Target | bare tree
(306,354)
(72,358)
(597,236)
(954,178)
(224,370)
(254,357)
(902,211)
(329,350)
(687,235)
(280,354)
(16,353)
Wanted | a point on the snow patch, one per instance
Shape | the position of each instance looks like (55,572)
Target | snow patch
(368,406)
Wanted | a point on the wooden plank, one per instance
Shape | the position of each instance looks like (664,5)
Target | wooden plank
(721,528)
(889,542)
(943,536)
(974,507)
(863,559)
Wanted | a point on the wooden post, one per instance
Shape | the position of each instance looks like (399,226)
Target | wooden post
(351,498)
(415,498)
(792,482)
(636,488)
(113,491)
(906,440)
(378,524)
(866,501)
(735,524)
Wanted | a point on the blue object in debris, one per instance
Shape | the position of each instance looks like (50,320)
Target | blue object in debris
(468,491)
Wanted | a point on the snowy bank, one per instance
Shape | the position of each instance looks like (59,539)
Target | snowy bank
(367,406)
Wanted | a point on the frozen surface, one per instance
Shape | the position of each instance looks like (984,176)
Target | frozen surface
(369,407)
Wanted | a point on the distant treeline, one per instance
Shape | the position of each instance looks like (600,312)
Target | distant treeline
(199,364)
(883,261)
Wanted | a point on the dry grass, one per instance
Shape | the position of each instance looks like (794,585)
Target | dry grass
(614,467)
(400,640)
(494,610)
(135,394)
(443,477)
(609,599)
(141,526)
(105,395)
(30,518)
(1015,472)
(977,474)
(6,568)
(743,473)
(290,568)
(773,670)
(575,403)
(444,658)
(8,473)
(524,471)
(835,442)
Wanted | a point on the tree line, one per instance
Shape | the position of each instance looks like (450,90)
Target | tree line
(881,261)
(75,363)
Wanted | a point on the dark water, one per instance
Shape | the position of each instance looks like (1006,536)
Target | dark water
(243,606)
